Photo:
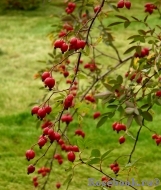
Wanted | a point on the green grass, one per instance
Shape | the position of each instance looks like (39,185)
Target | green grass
(24,41)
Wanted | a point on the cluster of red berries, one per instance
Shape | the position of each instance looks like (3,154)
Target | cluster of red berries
(91,66)
(35,181)
(68,102)
(133,75)
(79,132)
(96,115)
(144,52)
(122,3)
(62,69)
(48,80)
(90,98)
(157,139)
(115,167)
(43,171)
(106,179)
(150,7)
(74,44)
(118,127)
(41,112)
(59,158)
(70,7)
(66,28)
(66,118)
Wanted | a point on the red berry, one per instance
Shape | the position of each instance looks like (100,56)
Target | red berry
(35,110)
(62,34)
(127,4)
(41,142)
(57,156)
(30,154)
(48,109)
(154,136)
(122,139)
(97,8)
(36,183)
(30,169)
(120,4)
(45,75)
(66,74)
(34,179)
(66,118)
(158,93)
(158,141)
(60,161)
(60,142)
(58,185)
(96,115)
(71,156)
(75,148)
(116,169)
(64,47)
(49,82)
(58,43)
(41,113)
(45,130)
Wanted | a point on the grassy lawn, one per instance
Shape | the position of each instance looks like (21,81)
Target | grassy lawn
(24,41)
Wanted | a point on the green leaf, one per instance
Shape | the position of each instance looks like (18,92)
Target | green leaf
(68,179)
(147,116)
(119,79)
(80,143)
(126,24)
(129,121)
(102,121)
(104,156)
(112,106)
(86,50)
(135,18)
(129,110)
(94,161)
(157,187)
(138,120)
(68,169)
(130,49)
(95,153)
(122,17)
(130,134)
(114,23)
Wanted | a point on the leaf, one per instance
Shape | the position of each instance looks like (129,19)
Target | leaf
(114,23)
(129,110)
(129,121)
(130,49)
(102,121)
(86,50)
(68,179)
(144,106)
(130,134)
(94,161)
(68,169)
(95,153)
(126,24)
(147,116)
(135,18)
(120,79)
(130,104)
(122,17)
(158,182)
(104,156)
(103,94)
(138,120)
(99,39)
(145,18)
(80,143)
(112,106)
